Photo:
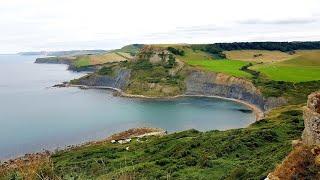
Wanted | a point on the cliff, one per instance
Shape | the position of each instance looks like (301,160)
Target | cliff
(119,80)
(311,116)
(218,84)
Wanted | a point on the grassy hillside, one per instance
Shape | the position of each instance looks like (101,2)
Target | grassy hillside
(90,60)
(211,62)
(132,49)
(258,55)
(305,66)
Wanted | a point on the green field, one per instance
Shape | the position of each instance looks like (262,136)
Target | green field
(304,67)
(290,74)
(231,67)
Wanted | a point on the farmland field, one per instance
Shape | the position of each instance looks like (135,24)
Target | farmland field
(305,66)
(258,55)
(101,59)
(231,67)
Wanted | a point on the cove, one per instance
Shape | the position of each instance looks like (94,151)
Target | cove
(34,116)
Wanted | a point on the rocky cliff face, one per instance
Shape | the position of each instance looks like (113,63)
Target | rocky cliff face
(119,80)
(218,84)
(311,116)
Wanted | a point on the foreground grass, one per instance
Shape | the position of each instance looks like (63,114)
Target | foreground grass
(231,67)
(239,153)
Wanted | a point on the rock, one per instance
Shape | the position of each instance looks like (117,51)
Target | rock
(273,102)
(127,148)
(317,160)
(311,133)
(113,141)
(296,143)
(122,142)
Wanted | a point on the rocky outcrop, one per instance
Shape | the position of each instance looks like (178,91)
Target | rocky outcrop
(311,116)
(218,84)
(118,81)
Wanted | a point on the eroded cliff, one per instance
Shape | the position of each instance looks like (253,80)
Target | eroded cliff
(119,80)
(218,84)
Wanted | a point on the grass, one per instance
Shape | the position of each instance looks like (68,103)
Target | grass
(108,57)
(191,54)
(304,67)
(297,73)
(305,58)
(263,55)
(82,61)
(231,67)
(132,49)
(242,153)
(89,60)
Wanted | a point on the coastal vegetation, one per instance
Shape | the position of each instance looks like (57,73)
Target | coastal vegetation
(288,70)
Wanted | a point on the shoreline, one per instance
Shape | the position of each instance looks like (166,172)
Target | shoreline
(256,110)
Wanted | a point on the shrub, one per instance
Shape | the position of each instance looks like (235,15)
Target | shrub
(105,70)
(176,51)
(142,65)
(171,61)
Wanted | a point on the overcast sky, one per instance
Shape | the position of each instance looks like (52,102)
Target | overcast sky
(32,25)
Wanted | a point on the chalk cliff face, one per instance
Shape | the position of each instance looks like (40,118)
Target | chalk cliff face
(311,116)
(120,80)
(218,84)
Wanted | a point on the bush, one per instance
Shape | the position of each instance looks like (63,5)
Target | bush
(142,65)
(176,51)
(105,70)
(171,62)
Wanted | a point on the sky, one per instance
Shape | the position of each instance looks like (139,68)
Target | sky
(49,25)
